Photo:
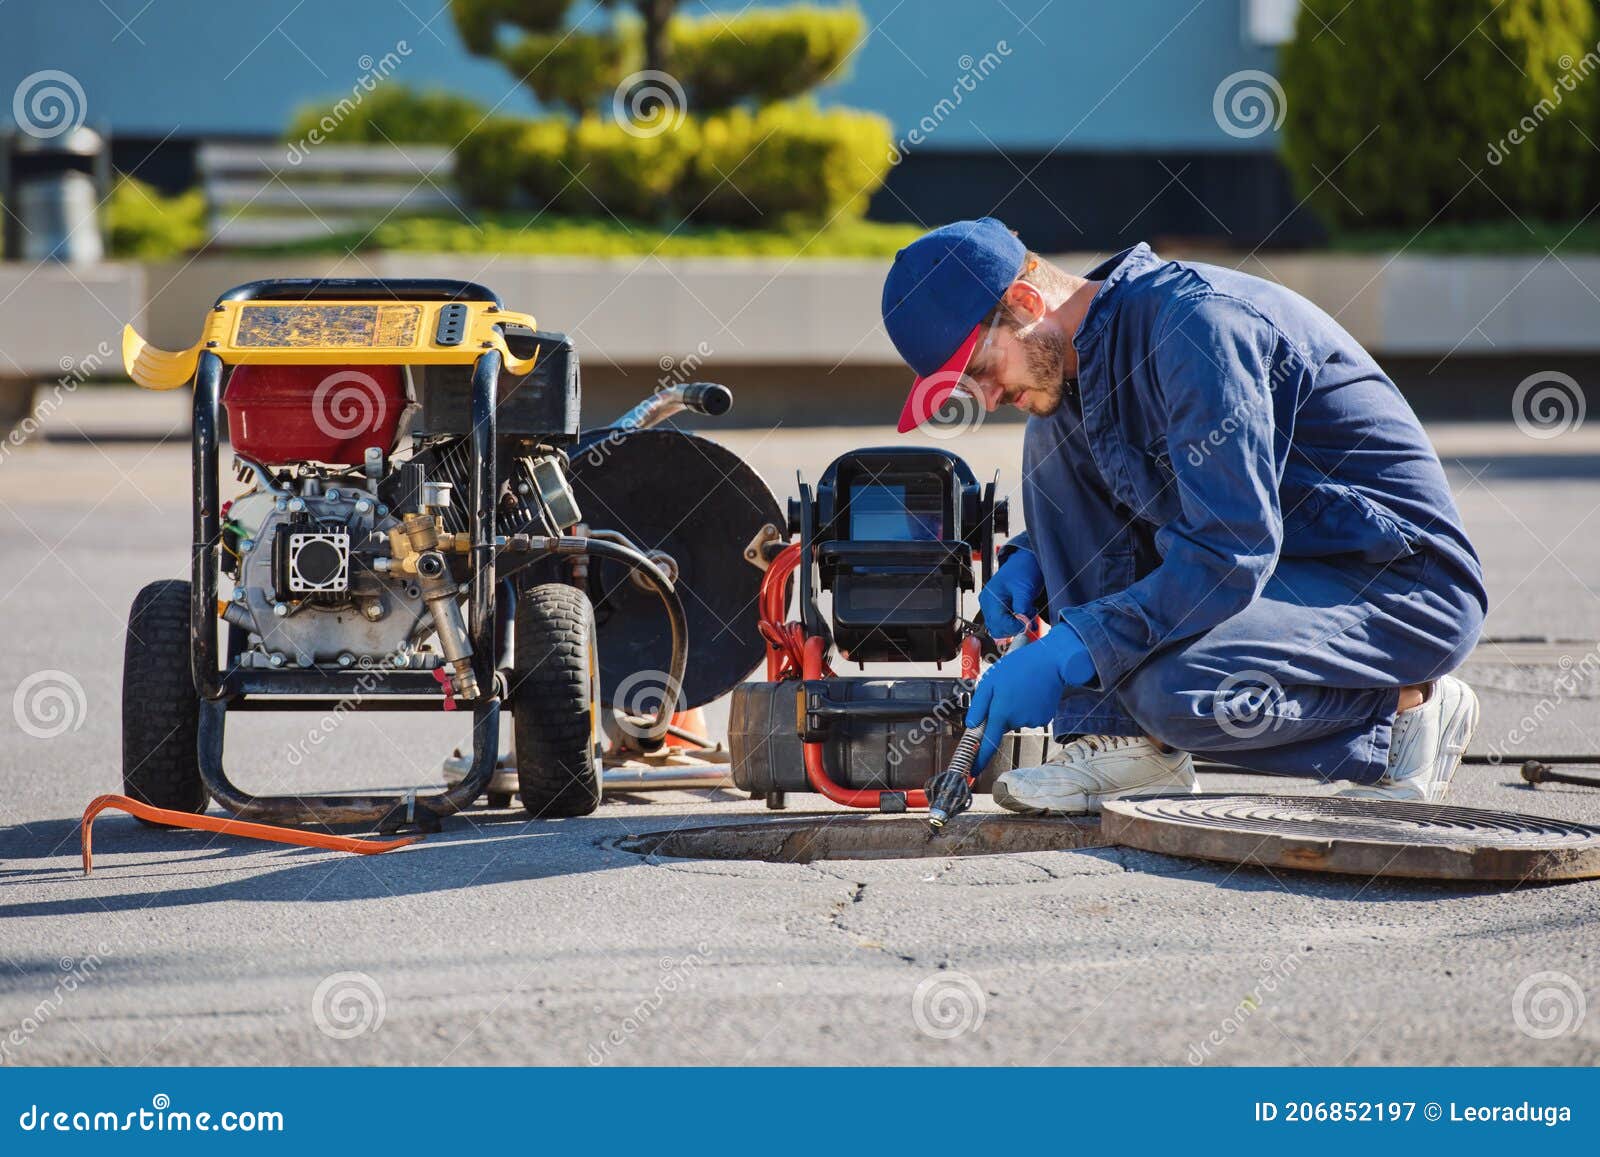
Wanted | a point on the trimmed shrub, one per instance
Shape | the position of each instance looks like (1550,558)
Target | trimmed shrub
(478,20)
(573,70)
(392,112)
(734,156)
(140,223)
(630,175)
(1399,104)
(764,55)
(507,162)
(785,160)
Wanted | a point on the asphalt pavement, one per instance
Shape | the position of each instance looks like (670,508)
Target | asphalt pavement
(506,941)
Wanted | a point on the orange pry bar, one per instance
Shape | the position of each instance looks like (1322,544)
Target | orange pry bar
(229,827)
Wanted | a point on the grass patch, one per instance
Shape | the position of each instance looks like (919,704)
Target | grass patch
(550,235)
(1485,238)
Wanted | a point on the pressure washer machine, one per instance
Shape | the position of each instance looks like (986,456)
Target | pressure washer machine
(401,445)
(889,540)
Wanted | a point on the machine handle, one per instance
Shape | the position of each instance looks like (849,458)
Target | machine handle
(347,288)
(709,398)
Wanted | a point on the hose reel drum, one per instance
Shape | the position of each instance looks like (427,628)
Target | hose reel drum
(696,502)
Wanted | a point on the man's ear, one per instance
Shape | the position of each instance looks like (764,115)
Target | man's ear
(1025,301)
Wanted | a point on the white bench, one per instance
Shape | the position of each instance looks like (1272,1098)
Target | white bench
(278,193)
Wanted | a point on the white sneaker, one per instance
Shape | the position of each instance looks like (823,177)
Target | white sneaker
(1426,746)
(1088,771)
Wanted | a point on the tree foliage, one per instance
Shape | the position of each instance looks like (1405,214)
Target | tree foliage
(1401,114)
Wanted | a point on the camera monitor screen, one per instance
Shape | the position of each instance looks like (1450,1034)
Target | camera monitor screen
(895,512)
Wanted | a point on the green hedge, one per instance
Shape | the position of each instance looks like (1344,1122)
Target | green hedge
(736,168)
(1399,104)
(391,112)
(573,70)
(785,160)
(765,55)
(625,173)
(761,55)
(142,224)
(509,162)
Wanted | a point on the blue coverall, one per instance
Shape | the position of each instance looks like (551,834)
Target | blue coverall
(1241,517)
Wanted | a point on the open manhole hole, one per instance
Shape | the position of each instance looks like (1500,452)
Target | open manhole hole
(870,837)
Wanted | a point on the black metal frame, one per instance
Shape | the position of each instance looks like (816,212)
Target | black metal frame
(817,515)
(253,689)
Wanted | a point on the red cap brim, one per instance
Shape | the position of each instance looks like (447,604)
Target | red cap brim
(930,391)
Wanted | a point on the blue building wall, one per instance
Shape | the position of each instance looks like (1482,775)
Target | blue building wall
(1073,74)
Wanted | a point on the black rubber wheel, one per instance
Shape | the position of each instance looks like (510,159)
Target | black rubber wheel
(498,799)
(160,709)
(555,705)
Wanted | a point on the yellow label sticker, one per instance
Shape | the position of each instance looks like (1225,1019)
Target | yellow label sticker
(269,326)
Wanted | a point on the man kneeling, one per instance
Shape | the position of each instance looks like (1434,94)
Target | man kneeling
(1241,538)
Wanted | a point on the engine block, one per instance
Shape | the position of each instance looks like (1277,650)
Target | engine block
(304,589)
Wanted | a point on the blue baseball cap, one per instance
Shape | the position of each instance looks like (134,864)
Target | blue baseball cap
(939,290)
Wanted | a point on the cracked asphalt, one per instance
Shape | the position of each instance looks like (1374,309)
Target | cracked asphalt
(503,941)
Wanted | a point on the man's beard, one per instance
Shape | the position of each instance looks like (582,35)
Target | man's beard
(1045,353)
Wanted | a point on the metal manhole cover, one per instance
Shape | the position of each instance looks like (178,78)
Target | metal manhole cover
(1357,836)
(869,837)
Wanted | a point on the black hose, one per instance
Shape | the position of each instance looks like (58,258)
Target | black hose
(655,734)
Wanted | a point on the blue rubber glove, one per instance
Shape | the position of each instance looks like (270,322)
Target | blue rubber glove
(1016,589)
(1025,687)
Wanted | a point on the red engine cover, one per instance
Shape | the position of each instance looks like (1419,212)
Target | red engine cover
(282,414)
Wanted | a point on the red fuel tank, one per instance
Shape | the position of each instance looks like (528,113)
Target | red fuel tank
(329,414)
